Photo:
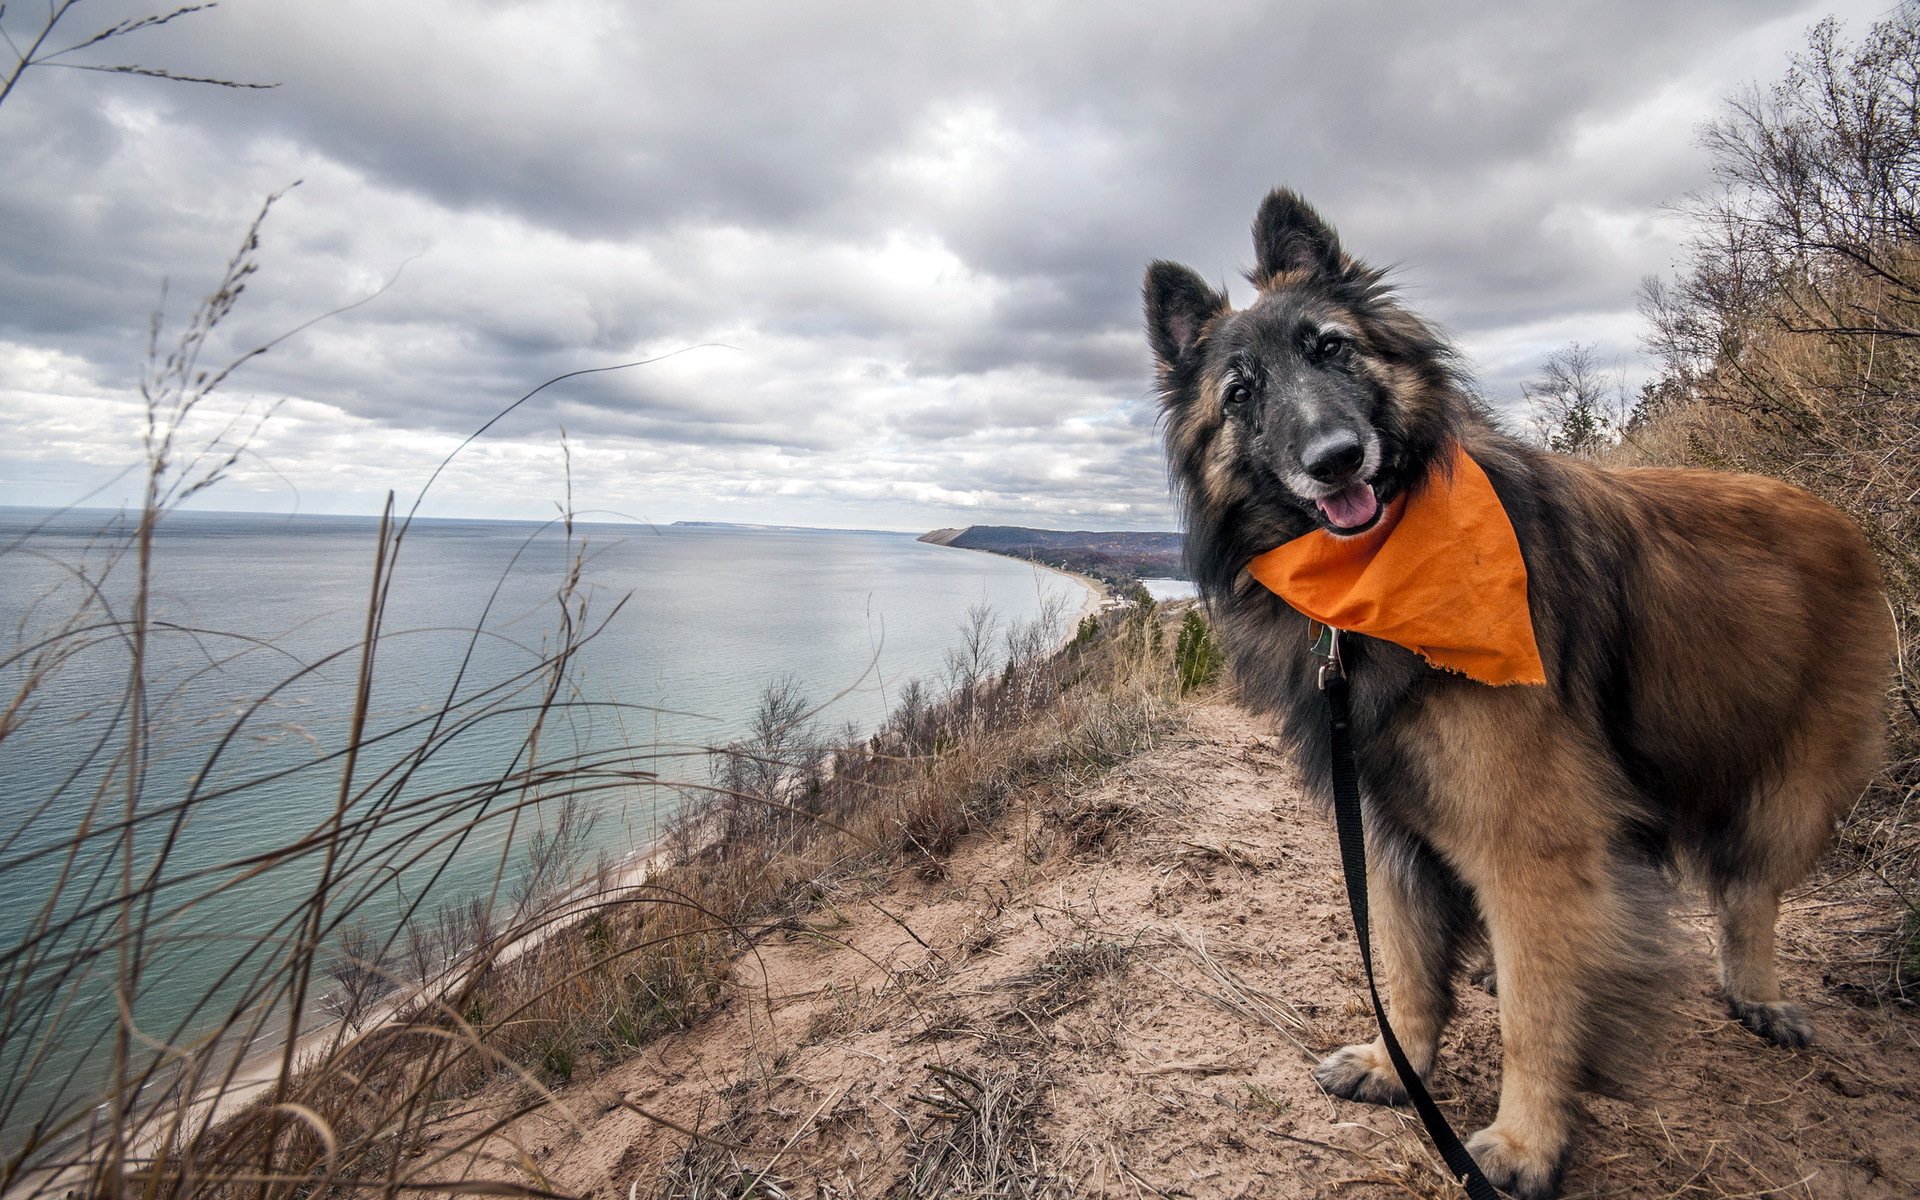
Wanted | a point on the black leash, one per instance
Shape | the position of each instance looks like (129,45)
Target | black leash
(1353,858)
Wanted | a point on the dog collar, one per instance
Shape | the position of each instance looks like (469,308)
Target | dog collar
(1441,574)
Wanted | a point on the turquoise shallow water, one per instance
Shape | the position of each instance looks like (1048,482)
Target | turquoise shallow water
(252,666)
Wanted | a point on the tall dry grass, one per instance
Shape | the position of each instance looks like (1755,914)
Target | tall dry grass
(335,1053)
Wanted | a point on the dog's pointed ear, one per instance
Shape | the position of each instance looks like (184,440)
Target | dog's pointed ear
(1289,236)
(1179,305)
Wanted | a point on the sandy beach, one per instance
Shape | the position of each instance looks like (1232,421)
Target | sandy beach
(1098,593)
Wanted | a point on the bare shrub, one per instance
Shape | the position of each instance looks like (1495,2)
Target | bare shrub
(769,780)
(555,855)
(359,973)
(1577,407)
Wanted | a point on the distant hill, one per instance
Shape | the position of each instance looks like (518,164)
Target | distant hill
(1116,558)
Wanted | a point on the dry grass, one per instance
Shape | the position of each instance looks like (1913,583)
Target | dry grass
(1063,978)
(980,1139)
(1233,992)
(632,963)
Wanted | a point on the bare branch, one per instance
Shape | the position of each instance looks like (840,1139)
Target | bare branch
(36,54)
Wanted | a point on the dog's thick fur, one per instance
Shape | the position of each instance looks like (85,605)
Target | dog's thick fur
(1717,650)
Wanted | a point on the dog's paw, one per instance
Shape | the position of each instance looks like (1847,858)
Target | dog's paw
(1779,1022)
(1483,976)
(1361,1072)
(1529,1172)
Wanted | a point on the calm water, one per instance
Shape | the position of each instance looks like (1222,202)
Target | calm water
(251,675)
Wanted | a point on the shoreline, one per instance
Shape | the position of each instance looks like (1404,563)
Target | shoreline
(251,1071)
(1098,593)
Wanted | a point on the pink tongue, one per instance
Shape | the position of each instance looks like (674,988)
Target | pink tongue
(1352,506)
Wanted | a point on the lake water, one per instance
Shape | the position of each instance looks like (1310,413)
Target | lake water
(251,673)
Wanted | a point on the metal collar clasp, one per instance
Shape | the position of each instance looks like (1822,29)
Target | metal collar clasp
(1332,664)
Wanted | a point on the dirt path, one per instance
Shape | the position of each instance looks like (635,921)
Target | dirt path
(1119,993)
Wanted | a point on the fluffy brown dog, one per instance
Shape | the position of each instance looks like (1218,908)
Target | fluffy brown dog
(1716,647)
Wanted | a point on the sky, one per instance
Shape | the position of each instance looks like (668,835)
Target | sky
(885,257)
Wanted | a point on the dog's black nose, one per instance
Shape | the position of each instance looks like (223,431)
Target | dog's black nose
(1334,458)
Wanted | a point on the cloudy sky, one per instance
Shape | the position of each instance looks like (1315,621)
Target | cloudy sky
(896,246)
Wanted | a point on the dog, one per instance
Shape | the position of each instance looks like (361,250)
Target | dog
(1716,649)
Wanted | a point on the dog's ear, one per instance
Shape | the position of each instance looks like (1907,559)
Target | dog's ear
(1289,236)
(1179,305)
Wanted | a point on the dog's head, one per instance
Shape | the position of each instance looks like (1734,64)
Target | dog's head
(1315,405)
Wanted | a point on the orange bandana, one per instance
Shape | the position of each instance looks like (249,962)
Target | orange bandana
(1441,574)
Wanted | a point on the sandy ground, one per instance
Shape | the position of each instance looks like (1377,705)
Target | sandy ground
(1119,993)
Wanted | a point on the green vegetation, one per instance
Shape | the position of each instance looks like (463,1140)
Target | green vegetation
(1197,658)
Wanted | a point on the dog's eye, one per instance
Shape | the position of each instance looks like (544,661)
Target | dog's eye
(1236,395)
(1331,347)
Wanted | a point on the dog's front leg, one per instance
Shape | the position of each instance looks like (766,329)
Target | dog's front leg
(1529,816)
(1420,919)
(1544,917)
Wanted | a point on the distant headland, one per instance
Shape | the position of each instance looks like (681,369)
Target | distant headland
(1118,559)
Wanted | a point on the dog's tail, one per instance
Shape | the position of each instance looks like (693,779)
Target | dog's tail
(1631,993)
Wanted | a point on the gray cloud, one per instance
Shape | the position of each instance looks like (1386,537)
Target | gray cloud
(918,231)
